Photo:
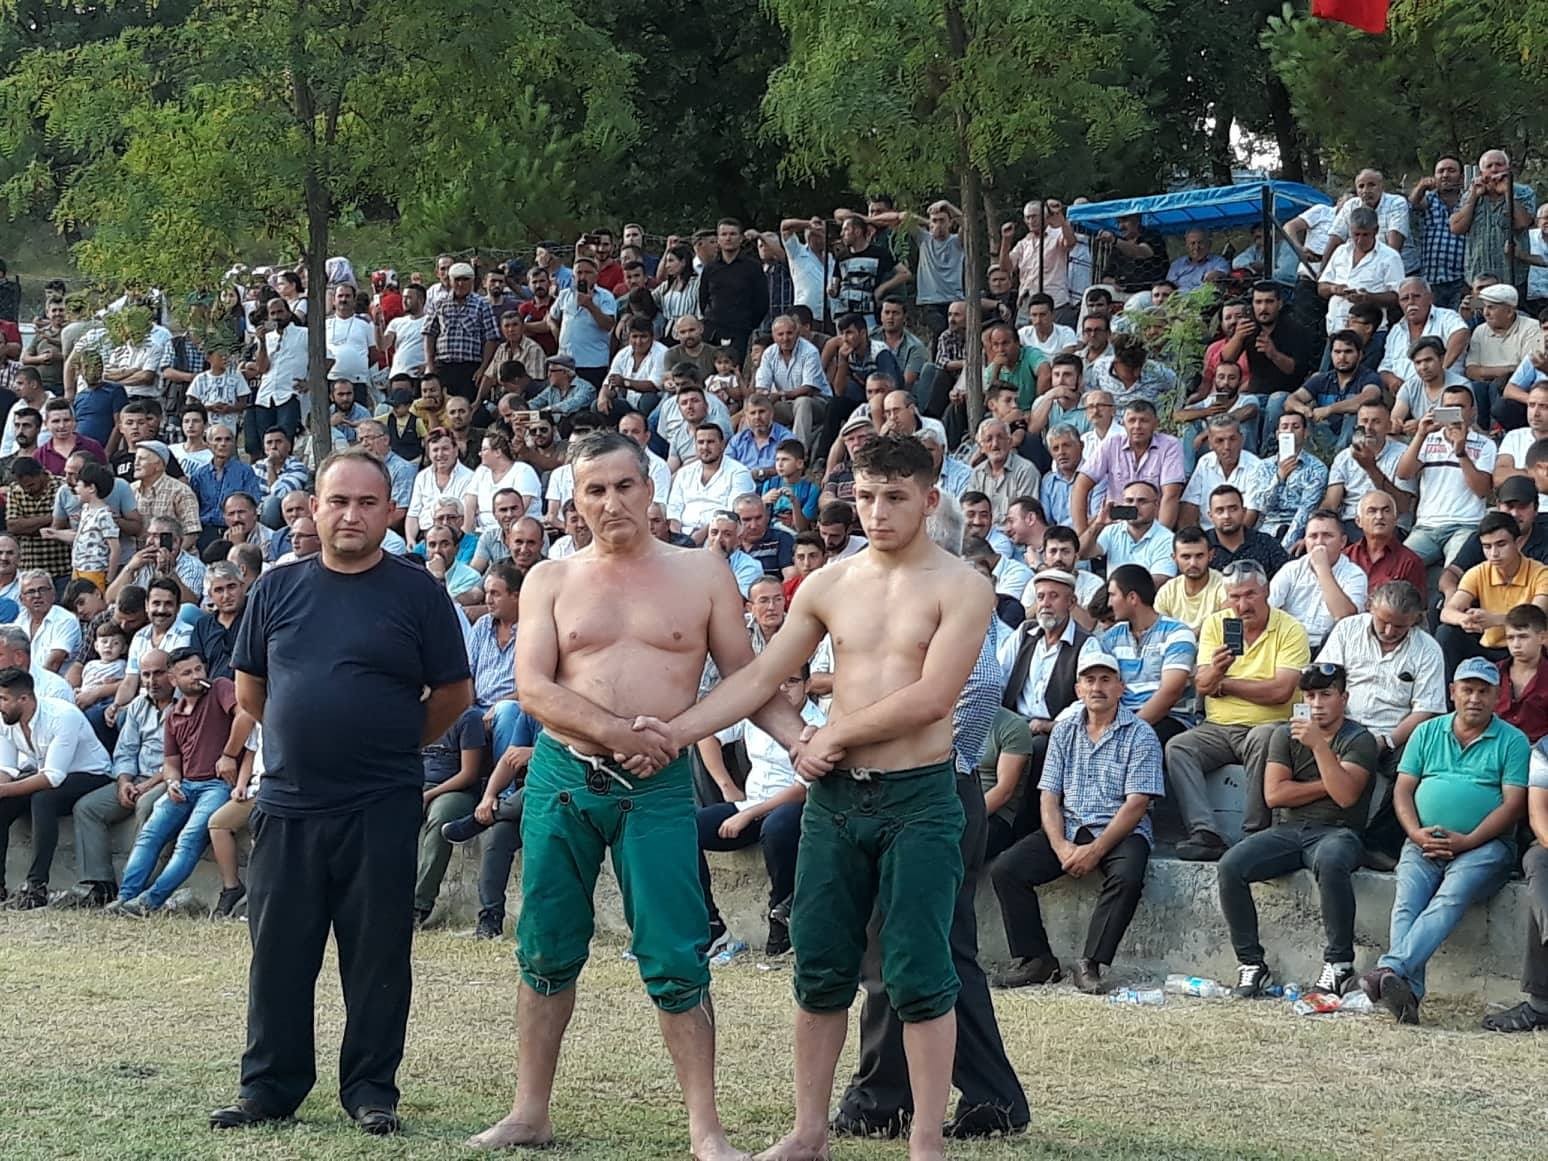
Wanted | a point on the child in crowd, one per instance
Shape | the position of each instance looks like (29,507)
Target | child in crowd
(791,498)
(193,452)
(726,383)
(221,388)
(100,678)
(94,551)
(1523,677)
(810,555)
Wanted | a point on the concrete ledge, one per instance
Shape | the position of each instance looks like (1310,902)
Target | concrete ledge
(1178,926)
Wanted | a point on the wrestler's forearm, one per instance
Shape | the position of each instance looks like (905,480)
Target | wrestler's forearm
(570,714)
(780,720)
(900,712)
(747,693)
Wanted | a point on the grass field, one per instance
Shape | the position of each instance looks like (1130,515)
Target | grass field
(117,1037)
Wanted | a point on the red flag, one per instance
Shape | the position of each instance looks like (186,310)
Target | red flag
(1366,15)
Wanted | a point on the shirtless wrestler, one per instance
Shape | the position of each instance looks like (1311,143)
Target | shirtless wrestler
(882,829)
(617,631)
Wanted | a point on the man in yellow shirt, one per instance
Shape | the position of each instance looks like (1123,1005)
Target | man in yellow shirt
(1245,697)
(1473,618)
(1197,590)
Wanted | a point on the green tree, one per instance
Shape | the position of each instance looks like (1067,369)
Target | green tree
(920,96)
(268,124)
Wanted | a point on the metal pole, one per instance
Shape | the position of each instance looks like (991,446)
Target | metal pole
(1266,245)
(1510,224)
(1042,226)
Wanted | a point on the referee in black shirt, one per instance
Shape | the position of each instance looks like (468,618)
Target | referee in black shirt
(350,631)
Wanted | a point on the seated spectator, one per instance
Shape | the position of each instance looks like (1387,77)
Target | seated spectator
(1532,1013)
(1001,770)
(1102,770)
(499,812)
(1330,400)
(1137,539)
(1323,586)
(1197,590)
(577,535)
(1317,779)
(1397,679)
(1004,574)
(1523,676)
(1245,697)
(1461,790)
(204,729)
(100,677)
(213,635)
(1512,459)
(1499,345)
(1225,463)
(1064,452)
(809,555)
(215,484)
(463,585)
(705,486)
(453,764)
(1295,486)
(1454,469)
(1424,390)
(230,819)
(724,532)
(772,548)
(1378,554)
(163,554)
(1368,464)
(1140,452)
(1516,497)
(53,630)
(1473,618)
(767,811)
(978,520)
(1231,538)
(49,760)
(163,599)
(1156,655)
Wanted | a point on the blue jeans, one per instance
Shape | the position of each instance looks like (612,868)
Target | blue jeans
(1432,896)
(511,727)
(1434,543)
(187,822)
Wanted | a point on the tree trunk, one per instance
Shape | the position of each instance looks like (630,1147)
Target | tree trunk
(1220,142)
(318,211)
(1287,134)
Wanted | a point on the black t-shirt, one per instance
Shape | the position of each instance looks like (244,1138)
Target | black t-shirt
(123,469)
(1352,743)
(346,657)
(1290,340)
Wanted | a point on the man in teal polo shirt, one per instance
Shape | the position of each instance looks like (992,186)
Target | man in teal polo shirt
(1461,790)
(1024,368)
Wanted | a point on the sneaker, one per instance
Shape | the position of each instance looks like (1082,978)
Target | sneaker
(87,896)
(1335,980)
(1088,977)
(491,925)
(30,897)
(1372,982)
(1252,980)
(460,830)
(1043,969)
(1203,847)
(229,898)
(779,938)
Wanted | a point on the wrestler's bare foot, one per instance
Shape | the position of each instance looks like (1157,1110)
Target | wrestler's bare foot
(515,1133)
(715,1147)
(797,1148)
(933,1151)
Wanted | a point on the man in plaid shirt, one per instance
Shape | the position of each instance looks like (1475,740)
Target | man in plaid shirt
(460,336)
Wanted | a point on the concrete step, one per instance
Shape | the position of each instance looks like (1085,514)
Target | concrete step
(1178,926)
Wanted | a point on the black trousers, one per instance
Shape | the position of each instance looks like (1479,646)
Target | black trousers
(458,379)
(354,873)
(45,807)
(1534,975)
(1457,645)
(1031,862)
(992,1096)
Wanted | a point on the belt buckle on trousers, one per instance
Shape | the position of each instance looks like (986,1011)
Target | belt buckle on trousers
(600,772)
(864,773)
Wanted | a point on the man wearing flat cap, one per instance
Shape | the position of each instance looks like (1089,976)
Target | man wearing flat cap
(1499,344)
(460,335)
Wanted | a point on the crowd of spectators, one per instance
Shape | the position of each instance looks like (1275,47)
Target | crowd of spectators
(1326,566)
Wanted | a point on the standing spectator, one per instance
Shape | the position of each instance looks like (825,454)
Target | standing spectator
(1245,697)
(281,369)
(1317,779)
(29,508)
(1461,790)
(733,290)
(1102,772)
(940,260)
(1484,219)
(339,810)
(215,482)
(460,335)
(1433,200)
(1040,261)
(867,272)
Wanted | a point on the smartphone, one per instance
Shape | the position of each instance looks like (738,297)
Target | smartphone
(528,417)
(1448,415)
(1301,712)
(165,540)
(1357,440)
(1219,400)
(1286,446)
(1235,636)
(582,286)
(1124,512)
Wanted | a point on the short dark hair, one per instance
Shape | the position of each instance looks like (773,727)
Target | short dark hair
(1537,453)
(1368,312)
(1498,522)
(14,679)
(131,600)
(1068,359)
(1427,343)
(1030,504)
(508,572)
(1134,580)
(791,447)
(811,540)
(894,457)
(1527,617)
(25,468)
(1226,490)
(185,653)
(1192,534)
(1325,514)
(77,589)
(836,512)
(1040,300)
(98,477)
(1347,336)
(165,584)
(1062,534)
(971,497)
(848,322)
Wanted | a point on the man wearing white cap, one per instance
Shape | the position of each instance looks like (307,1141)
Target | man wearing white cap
(1499,344)
(460,335)
(1102,771)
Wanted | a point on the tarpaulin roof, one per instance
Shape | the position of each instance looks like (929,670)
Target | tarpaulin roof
(1223,208)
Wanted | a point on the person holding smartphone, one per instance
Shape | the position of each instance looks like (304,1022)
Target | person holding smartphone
(1255,656)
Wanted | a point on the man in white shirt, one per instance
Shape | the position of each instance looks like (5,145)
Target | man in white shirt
(1322,586)
(351,340)
(1123,538)
(54,631)
(1454,468)
(700,489)
(1514,447)
(1225,463)
(637,371)
(811,266)
(1365,270)
(49,759)
(636,428)
(1042,333)
(281,368)
(404,336)
(1421,318)
(1392,216)
(681,413)
(1368,464)
(791,374)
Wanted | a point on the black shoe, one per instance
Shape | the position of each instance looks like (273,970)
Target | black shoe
(1203,847)
(849,1125)
(1252,980)
(1028,972)
(1522,1018)
(1397,996)
(1335,980)
(779,938)
(491,925)
(244,1114)
(460,830)
(86,897)
(229,898)
(30,897)
(378,1122)
(978,1121)
(1088,977)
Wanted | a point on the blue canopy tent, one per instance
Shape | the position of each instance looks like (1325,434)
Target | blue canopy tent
(1224,208)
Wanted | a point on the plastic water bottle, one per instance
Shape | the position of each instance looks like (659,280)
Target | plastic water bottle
(1198,986)
(1150,997)
(1356,1002)
(1292,993)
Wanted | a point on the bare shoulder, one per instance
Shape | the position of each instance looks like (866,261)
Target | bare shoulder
(545,577)
(956,582)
